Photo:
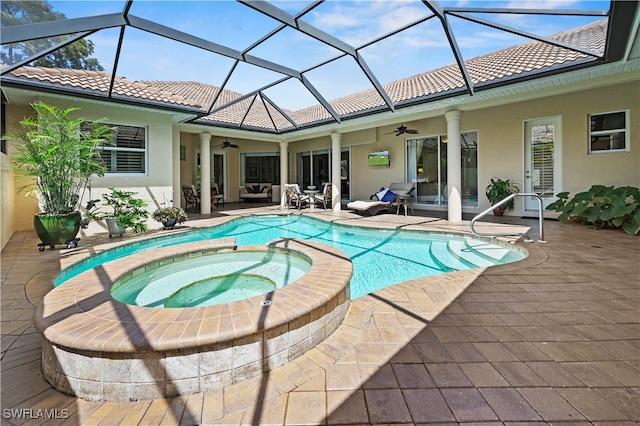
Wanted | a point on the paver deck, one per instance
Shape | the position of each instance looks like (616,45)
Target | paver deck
(551,339)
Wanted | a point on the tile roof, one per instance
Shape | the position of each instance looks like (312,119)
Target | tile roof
(254,113)
(96,81)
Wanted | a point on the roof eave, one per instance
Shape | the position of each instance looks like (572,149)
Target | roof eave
(19,83)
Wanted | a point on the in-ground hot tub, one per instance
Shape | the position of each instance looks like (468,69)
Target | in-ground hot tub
(98,348)
(219,277)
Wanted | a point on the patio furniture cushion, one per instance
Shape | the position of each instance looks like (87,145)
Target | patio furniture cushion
(389,196)
(371,207)
(256,192)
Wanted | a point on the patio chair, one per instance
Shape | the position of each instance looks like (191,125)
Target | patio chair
(325,196)
(217,197)
(190,196)
(295,197)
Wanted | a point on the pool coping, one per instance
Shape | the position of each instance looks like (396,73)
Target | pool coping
(93,344)
(80,314)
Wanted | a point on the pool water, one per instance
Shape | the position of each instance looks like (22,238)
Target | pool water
(380,257)
(210,279)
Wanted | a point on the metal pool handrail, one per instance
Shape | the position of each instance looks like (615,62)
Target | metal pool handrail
(498,204)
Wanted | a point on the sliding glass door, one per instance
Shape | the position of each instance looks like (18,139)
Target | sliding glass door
(313,168)
(427,167)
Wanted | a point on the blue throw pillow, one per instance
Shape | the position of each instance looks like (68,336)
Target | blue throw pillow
(388,197)
(256,188)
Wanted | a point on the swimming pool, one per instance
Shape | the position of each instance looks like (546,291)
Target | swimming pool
(380,257)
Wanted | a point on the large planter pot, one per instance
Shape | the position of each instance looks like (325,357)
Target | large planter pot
(114,228)
(169,224)
(57,229)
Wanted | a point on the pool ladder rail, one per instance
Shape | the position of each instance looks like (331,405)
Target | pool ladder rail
(507,234)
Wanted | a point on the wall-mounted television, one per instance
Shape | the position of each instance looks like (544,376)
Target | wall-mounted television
(379,159)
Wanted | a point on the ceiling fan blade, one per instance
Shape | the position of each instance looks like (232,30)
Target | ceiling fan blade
(412,131)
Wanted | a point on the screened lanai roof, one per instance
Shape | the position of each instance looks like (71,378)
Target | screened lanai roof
(280,66)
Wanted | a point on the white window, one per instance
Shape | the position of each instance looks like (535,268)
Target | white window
(608,132)
(128,153)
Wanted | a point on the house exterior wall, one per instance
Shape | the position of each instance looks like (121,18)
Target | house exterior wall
(155,186)
(501,139)
(17,209)
(501,143)
(500,149)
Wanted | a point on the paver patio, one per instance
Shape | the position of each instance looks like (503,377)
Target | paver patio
(554,338)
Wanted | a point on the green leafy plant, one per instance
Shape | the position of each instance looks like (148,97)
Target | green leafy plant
(59,155)
(498,189)
(128,211)
(602,206)
(170,214)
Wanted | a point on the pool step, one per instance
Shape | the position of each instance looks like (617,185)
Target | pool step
(442,254)
(476,252)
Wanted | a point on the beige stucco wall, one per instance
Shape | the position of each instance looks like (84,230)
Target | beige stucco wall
(17,207)
(501,138)
(501,143)
(155,187)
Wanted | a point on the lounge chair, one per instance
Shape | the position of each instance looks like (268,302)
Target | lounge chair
(325,196)
(295,197)
(382,200)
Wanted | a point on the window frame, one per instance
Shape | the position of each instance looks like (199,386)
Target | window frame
(243,165)
(115,148)
(624,130)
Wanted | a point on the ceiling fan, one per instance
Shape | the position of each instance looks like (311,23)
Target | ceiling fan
(227,144)
(402,129)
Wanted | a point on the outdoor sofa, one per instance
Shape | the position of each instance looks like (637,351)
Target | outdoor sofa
(256,192)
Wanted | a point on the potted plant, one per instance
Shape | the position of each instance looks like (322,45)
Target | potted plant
(60,156)
(125,211)
(170,216)
(499,189)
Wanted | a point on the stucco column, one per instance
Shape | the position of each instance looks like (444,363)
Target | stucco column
(176,197)
(284,170)
(205,173)
(454,179)
(335,171)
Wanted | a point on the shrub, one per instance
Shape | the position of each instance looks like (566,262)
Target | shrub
(170,214)
(602,206)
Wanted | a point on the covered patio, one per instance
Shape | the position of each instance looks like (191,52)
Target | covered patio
(550,339)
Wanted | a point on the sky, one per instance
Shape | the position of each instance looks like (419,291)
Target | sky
(421,48)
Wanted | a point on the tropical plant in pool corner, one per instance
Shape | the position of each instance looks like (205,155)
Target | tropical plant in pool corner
(60,156)
(499,189)
(124,210)
(170,216)
(602,207)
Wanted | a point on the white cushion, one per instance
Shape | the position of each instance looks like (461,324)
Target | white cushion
(364,205)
